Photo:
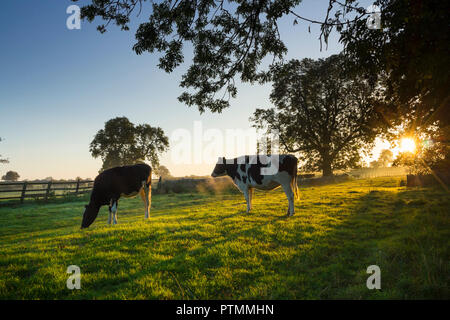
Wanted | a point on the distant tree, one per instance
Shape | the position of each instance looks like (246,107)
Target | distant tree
(321,111)
(122,143)
(432,154)
(11,176)
(163,172)
(3,160)
(374,164)
(407,159)
(385,158)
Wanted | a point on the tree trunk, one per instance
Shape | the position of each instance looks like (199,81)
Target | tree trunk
(327,171)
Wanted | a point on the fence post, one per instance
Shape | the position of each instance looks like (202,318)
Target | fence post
(48,190)
(78,186)
(24,188)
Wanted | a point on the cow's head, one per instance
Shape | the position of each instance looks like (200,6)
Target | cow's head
(220,169)
(90,213)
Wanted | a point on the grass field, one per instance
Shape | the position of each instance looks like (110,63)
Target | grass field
(202,246)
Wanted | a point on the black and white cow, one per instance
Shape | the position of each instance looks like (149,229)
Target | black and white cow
(111,184)
(250,172)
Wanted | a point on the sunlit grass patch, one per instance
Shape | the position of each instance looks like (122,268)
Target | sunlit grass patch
(204,246)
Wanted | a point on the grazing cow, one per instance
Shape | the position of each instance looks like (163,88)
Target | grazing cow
(111,184)
(249,172)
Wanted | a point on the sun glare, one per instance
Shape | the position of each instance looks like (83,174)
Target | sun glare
(407,145)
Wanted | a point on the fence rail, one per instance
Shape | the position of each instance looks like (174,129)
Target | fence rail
(43,189)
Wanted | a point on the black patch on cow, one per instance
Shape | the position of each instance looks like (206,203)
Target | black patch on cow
(289,164)
(254,172)
(220,169)
(232,169)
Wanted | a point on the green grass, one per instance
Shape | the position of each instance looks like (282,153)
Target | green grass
(200,246)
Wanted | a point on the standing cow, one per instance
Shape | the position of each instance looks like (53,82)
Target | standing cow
(249,172)
(111,184)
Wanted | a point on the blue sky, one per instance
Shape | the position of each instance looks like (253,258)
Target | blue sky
(58,87)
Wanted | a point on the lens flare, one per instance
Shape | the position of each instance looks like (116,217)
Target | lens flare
(407,145)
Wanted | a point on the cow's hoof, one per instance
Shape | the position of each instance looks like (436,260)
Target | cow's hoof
(289,215)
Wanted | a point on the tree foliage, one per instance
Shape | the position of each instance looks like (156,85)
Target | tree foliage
(230,38)
(385,158)
(432,154)
(11,176)
(321,111)
(409,52)
(122,143)
(163,172)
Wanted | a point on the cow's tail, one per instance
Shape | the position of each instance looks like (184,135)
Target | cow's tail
(294,181)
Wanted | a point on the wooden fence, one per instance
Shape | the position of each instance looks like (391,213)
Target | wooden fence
(43,189)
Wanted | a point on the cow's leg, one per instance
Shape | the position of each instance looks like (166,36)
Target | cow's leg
(250,197)
(149,198)
(146,195)
(110,214)
(287,187)
(142,194)
(114,210)
(247,198)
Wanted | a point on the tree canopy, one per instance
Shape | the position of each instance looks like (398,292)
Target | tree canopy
(432,154)
(122,143)
(163,172)
(231,38)
(11,176)
(385,158)
(321,111)
(409,52)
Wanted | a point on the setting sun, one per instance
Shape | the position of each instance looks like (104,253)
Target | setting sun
(407,145)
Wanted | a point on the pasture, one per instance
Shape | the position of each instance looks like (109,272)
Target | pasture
(204,246)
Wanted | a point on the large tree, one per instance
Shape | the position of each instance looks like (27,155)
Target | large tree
(122,143)
(410,52)
(11,176)
(322,111)
(231,38)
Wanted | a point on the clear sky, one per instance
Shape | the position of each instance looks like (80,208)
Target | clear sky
(58,87)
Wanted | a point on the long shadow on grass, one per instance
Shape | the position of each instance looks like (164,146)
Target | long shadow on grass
(380,228)
(403,233)
(400,232)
